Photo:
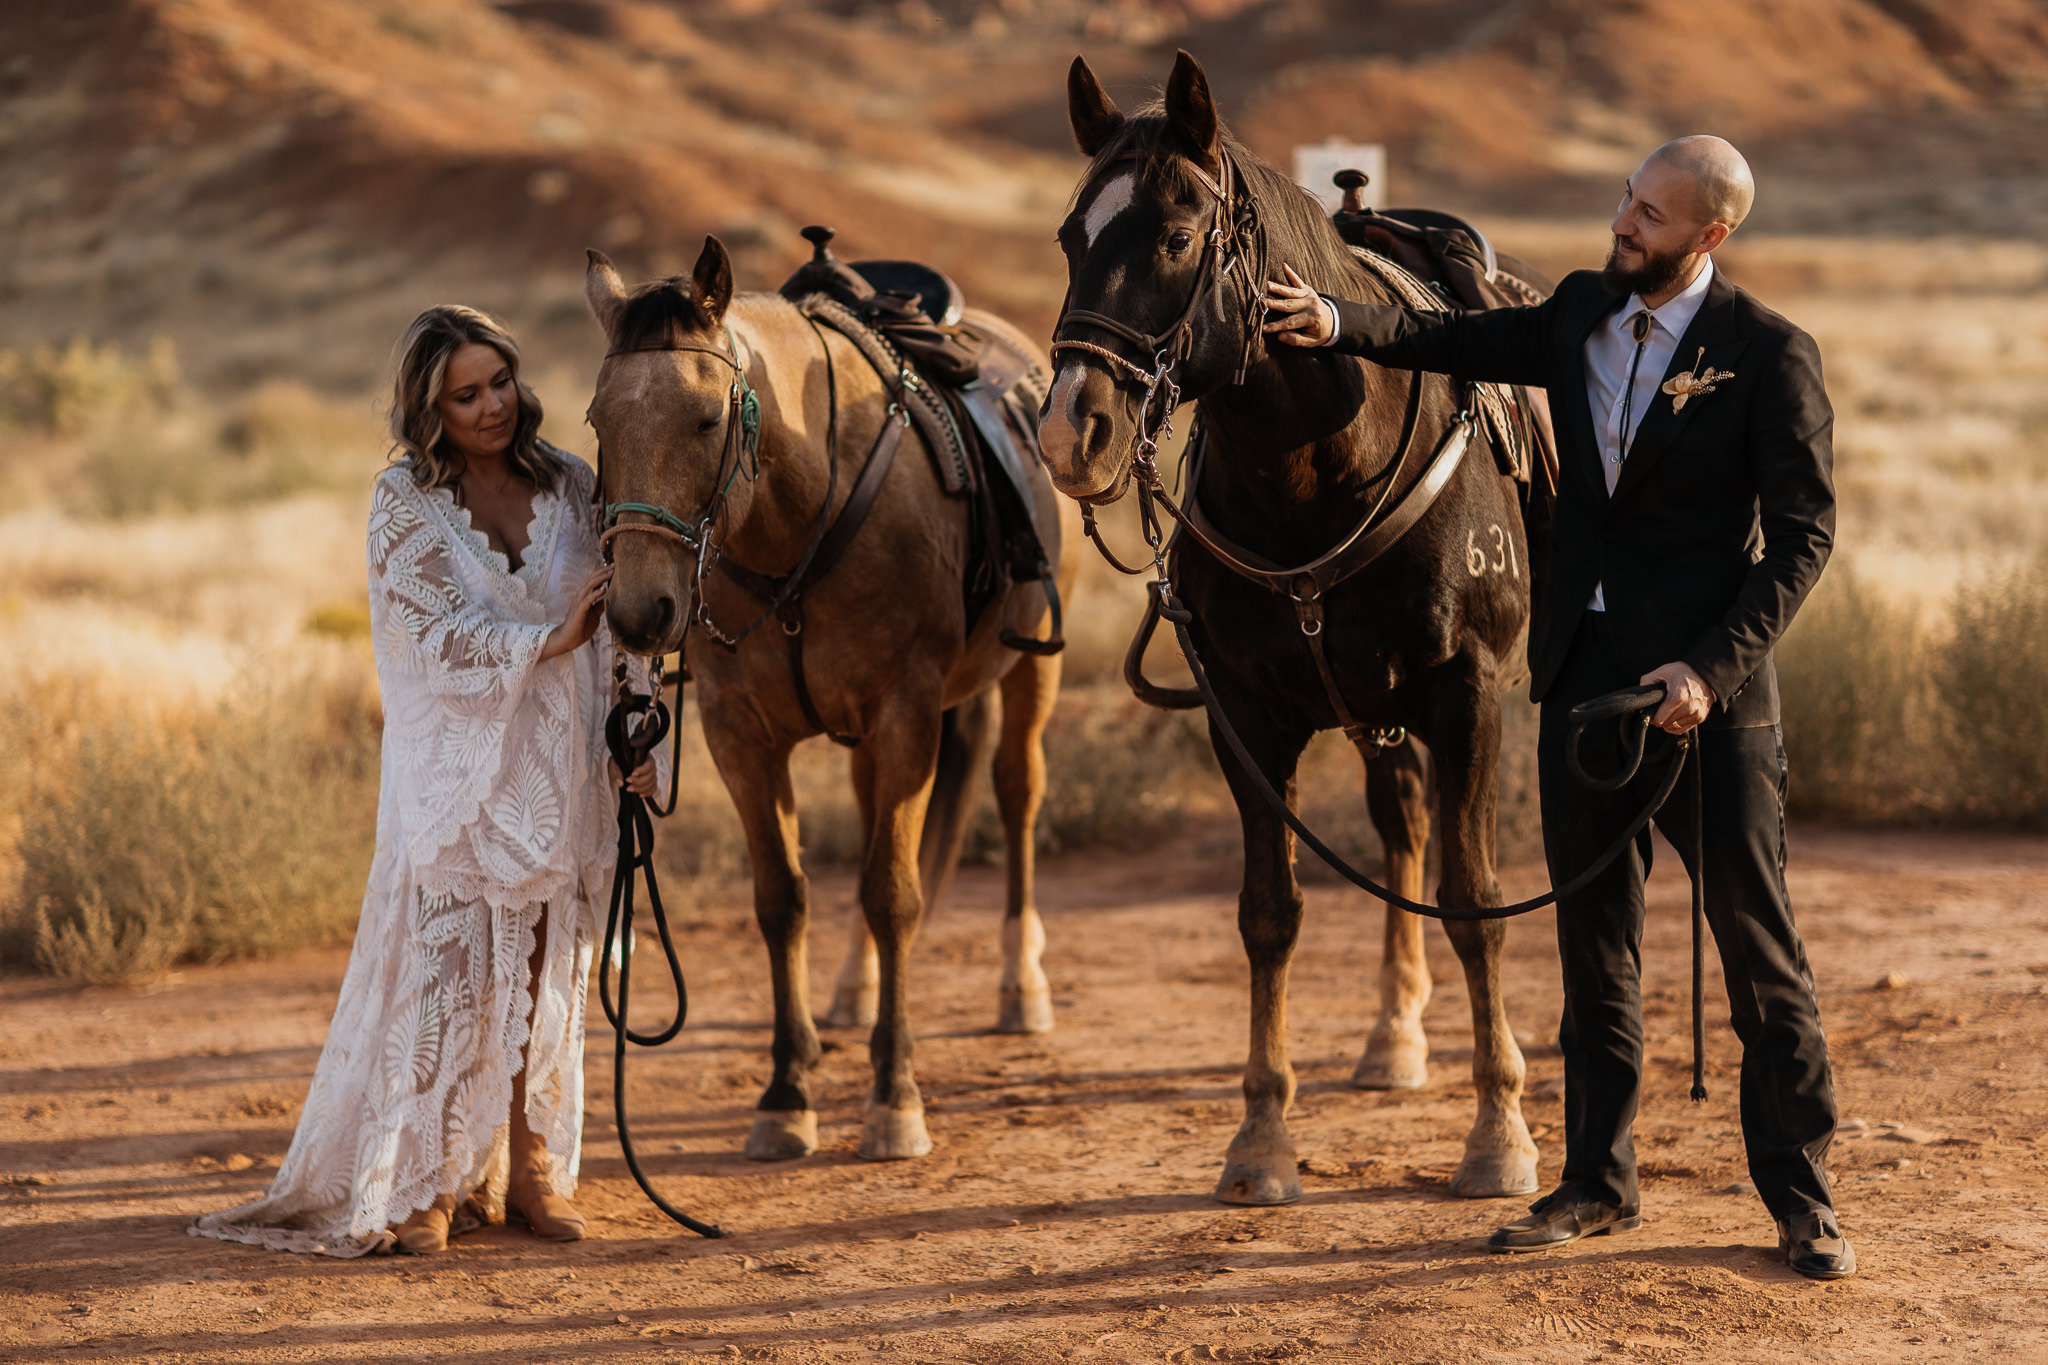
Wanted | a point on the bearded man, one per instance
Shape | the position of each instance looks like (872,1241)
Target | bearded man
(1695,510)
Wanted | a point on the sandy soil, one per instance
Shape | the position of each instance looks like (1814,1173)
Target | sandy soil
(1065,1213)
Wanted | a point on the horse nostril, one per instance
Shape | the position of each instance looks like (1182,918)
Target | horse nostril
(664,616)
(1096,432)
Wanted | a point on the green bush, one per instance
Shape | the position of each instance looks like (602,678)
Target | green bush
(118,437)
(73,389)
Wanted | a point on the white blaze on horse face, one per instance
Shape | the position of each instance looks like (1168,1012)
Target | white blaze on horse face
(1111,200)
(1059,435)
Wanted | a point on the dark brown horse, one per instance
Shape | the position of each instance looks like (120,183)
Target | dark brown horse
(889,648)
(1173,231)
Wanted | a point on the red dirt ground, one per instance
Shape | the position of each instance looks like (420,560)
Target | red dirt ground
(1065,1213)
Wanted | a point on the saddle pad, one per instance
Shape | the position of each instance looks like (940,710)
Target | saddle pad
(949,447)
(1500,409)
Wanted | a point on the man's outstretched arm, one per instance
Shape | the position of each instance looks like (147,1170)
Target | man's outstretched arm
(1501,345)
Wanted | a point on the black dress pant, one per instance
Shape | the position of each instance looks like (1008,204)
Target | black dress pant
(1788,1099)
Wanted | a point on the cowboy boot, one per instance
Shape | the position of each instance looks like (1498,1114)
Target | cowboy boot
(531,1199)
(426,1232)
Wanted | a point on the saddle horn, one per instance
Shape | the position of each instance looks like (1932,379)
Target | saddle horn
(1353,183)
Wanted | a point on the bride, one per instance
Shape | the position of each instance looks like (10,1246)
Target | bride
(450,1090)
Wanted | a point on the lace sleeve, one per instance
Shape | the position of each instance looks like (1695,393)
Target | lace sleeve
(430,626)
(471,715)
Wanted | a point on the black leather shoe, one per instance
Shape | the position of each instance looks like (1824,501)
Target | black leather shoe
(1814,1245)
(1563,1216)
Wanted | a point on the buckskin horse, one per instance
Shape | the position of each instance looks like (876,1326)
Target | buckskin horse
(722,420)
(1316,460)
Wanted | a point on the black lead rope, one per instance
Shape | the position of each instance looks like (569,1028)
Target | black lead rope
(635,726)
(1628,703)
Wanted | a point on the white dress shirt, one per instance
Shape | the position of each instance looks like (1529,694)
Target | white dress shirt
(1609,352)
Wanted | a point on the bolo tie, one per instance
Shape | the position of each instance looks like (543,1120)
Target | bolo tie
(1639,327)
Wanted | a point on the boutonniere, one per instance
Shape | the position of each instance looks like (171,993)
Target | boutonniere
(1682,387)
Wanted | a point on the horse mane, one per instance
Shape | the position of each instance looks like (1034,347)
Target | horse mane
(1295,229)
(661,314)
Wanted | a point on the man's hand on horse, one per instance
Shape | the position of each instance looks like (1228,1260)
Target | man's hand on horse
(1296,314)
(641,783)
(1687,698)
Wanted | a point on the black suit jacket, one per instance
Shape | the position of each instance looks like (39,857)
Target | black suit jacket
(1724,512)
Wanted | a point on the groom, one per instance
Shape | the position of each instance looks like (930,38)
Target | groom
(1695,509)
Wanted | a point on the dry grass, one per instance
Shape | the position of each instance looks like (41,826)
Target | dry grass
(153,836)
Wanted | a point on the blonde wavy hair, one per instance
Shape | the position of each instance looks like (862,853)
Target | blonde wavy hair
(418,441)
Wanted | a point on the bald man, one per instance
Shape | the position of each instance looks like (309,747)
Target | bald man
(1695,510)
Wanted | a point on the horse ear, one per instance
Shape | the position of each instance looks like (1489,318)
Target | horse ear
(1191,110)
(713,277)
(1090,109)
(606,292)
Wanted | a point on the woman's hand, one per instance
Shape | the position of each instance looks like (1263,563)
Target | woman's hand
(582,623)
(1296,314)
(641,783)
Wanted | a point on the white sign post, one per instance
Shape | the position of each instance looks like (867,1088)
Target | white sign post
(1316,162)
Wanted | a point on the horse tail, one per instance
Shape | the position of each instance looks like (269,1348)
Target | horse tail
(967,735)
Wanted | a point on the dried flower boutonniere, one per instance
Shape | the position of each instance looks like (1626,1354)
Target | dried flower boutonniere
(1682,387)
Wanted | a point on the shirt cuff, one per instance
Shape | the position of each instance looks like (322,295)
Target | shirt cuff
(1329,312)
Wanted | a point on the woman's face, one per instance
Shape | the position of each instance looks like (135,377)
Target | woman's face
(479,401)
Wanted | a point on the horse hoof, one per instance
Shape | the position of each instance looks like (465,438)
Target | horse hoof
(1393,1062)
(1023,1011)
(852,1009)
(893,1134)
(782,1134)
(1243,1183)
(1495,1175)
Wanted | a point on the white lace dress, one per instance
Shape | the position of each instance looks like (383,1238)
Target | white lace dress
(493,807)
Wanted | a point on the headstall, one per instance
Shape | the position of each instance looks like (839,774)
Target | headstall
(741,454)
(1224,250)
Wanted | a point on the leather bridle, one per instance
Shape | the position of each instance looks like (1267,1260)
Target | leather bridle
(739,455)
(1224,251)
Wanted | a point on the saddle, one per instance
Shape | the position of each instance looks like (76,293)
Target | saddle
(1456,266)
(973,396)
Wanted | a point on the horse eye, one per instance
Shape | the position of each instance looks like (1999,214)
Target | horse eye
(708,425)
(1179,242)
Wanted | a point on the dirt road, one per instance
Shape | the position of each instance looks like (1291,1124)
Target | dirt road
(1065,1213)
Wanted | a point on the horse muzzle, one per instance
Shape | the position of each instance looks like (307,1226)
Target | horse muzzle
(649,622)
(1085,439)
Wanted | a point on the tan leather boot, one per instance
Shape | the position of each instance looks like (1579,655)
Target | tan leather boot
(532,1200)
(426,1232)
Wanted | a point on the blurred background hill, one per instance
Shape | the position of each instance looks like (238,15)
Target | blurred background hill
(278,186)
(218,215)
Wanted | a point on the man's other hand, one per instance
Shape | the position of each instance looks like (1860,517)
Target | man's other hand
(1296,314)
(1687,698)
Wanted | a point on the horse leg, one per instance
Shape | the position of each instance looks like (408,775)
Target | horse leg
(785,1125)
(1397,1051)
(1029,691)
(892,772)
(1259,1166)
(858,991)
(1500,1156)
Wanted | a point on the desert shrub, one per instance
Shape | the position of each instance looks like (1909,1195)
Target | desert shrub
(73,388)
(1990,676)
(1861,719)
(147,839)
(120,437)
(1118,771)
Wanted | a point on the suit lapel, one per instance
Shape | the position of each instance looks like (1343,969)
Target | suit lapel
(1583,441)
(1713,329)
